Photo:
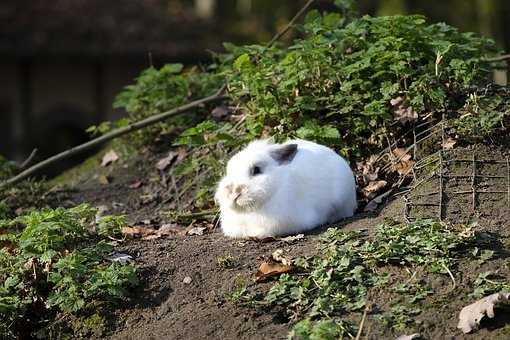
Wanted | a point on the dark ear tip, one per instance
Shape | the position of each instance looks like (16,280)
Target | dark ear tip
(284,154)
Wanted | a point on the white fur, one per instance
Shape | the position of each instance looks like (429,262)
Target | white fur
(316,187)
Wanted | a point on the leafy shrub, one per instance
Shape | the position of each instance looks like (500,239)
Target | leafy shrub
(47,264)
(335,85)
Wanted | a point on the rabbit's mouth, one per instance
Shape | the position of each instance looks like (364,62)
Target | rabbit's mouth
(243,203)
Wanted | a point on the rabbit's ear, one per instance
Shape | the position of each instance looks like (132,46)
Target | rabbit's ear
(283,154)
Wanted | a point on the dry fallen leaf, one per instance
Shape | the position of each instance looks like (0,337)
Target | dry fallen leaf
(137,231)
(147,233)
(470,316)
(404,167)
(109,157)
(277,255)
(269,269)
(401,154)
(368,169)
(372,188)
(403,160)
(164,162)
(30,263)
(449,143)
(402,111)
(135,185)
(169,229)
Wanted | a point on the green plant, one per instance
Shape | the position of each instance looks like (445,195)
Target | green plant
(51,260)
(226,261)
(340,78)
(399,317)
(483,112)
(240,292)
(488,283)
(335,284)
(322,330)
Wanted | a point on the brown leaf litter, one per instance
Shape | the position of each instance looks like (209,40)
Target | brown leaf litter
(276,265)
(109,157)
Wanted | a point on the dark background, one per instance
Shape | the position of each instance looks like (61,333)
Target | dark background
(63,61)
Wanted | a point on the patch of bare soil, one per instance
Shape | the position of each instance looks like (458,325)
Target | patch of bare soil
(185,292)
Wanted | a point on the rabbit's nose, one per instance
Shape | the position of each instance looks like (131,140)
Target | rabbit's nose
(239,188)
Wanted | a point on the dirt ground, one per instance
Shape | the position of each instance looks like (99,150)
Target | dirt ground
(184,291)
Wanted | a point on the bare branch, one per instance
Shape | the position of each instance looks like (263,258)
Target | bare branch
(111,135)
(28,160)
(498,58)
(291,22)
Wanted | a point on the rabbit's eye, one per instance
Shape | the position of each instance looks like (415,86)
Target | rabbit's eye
(256,170)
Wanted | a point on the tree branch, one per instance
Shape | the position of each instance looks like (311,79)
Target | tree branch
(291,22)
(498,58)
(111,135)
(28,160)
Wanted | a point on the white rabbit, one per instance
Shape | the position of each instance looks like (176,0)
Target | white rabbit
(281,189)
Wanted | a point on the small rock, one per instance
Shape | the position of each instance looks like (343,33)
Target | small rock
(121,258)
(187,280)
(293,238)
(197,231)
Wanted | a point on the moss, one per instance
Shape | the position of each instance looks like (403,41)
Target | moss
(91,165)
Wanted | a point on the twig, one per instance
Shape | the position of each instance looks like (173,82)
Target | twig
(473,184)
(471,176)
(451,276)
(440,185)
(362,323)
(508,180)
(498,58)
(488,161)
(28,160)
(112,135)
(197,214)
(291,22)
(479,192)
